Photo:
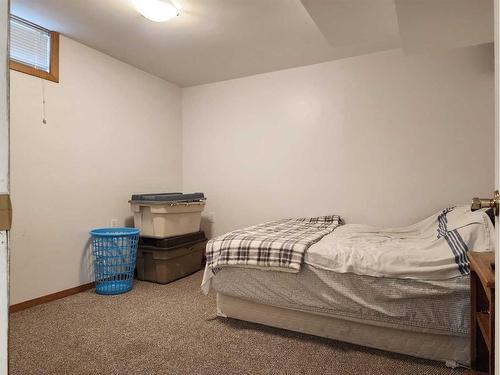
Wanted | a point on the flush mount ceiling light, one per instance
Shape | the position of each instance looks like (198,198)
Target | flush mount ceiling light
(156,10)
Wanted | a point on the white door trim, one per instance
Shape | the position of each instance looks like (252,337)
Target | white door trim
(496,10)
(4,182)
(4,307)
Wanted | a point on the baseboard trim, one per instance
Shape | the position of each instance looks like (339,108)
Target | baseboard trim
(50,297)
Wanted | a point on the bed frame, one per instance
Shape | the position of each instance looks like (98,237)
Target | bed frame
(453,350)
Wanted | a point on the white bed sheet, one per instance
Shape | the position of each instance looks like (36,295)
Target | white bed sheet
(423,251)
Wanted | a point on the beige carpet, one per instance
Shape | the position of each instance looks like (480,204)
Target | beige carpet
(172,329)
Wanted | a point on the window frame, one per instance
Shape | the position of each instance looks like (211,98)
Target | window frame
(53,74)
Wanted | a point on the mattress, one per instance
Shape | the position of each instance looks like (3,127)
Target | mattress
(438,307)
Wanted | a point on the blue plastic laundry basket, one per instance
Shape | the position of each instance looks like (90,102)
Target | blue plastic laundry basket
(115,252)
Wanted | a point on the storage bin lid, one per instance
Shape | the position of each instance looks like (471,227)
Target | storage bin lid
(167,197)
(173,242)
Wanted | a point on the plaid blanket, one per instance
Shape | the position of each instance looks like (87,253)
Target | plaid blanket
(278,245)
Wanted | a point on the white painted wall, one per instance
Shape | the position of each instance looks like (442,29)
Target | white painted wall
(382,139)
(111,130)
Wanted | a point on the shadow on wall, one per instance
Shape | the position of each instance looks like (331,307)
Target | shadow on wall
(87,273)
(129,222)
(206,225)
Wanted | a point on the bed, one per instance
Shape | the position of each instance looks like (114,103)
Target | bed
(369,286)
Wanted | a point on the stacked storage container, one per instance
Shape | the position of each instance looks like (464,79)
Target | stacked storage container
(171,245)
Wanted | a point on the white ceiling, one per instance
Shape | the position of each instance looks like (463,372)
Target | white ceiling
(214,40)
(355,22)
(427,25)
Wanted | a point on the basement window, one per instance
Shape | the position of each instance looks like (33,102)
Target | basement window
(33,49)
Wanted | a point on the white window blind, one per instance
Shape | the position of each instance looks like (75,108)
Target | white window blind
(29,44)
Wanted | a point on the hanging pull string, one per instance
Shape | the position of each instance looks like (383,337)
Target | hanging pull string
(38,62)
(44,120)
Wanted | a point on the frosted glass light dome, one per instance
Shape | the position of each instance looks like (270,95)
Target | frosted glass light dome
(156,10)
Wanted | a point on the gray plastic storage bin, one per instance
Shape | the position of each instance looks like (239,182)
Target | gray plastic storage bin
(163,261)
(167,214)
